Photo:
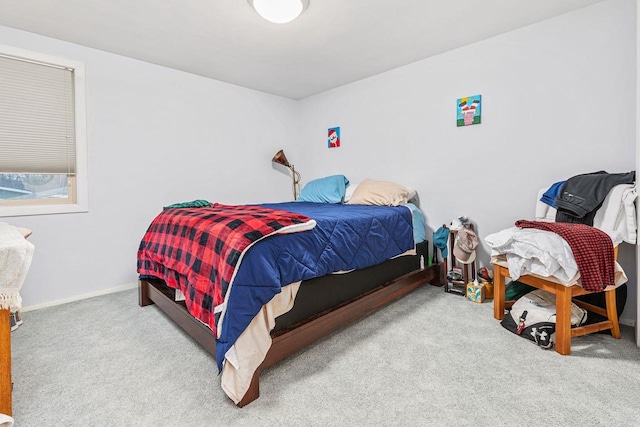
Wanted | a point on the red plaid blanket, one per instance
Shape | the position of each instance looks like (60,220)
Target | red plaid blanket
(197,250)
(592,249)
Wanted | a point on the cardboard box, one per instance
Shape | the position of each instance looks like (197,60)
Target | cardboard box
(475,292)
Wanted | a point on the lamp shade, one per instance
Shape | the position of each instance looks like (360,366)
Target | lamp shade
(280,158)
(279,11)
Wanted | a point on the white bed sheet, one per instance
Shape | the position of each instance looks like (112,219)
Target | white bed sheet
(251,347)
(534,251)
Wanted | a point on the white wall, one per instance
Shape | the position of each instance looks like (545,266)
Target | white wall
(637,334)
(155,136)
(558,99)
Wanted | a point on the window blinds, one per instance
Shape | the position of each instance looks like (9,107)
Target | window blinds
(37,132)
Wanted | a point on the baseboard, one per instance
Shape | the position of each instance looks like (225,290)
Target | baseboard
(627,322)
(120,288)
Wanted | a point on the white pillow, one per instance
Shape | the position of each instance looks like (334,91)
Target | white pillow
(350,189)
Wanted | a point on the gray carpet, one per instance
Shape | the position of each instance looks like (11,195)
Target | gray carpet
(429,359)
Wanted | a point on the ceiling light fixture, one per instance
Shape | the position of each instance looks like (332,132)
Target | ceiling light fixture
(279,11)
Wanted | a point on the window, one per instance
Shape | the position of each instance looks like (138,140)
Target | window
(42,134)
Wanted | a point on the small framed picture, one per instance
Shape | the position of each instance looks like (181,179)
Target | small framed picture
(469,110)
(334,137)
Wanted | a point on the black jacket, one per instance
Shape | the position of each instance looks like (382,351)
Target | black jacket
(582,195)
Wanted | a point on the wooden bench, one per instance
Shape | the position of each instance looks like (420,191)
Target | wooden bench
(5,352)
(564,297)
(5,362)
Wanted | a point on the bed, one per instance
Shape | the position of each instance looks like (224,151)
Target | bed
(324,266)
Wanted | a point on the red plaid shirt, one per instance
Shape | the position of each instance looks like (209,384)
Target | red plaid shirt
(592,249)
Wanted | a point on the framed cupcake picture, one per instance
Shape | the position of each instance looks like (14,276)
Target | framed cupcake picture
(469,110)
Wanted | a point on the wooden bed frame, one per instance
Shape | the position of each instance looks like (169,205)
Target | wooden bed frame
(296,337)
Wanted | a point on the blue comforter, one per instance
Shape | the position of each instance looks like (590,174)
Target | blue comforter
(346,237)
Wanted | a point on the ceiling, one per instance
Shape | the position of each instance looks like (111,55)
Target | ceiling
(334,42)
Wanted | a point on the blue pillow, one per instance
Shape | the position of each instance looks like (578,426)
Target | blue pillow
(330,189)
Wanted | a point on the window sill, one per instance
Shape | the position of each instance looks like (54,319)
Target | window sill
(42,209)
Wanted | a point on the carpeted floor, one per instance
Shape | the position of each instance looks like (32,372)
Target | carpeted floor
(428,359)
